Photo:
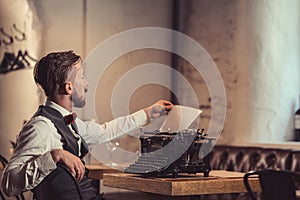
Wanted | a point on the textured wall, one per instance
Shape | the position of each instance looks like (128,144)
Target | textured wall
(115,17)
(19,94)
(106,18)
(255,45)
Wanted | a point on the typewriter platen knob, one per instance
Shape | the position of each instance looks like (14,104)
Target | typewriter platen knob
(201,132)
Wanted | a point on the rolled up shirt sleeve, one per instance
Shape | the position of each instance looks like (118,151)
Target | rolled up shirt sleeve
(32,160)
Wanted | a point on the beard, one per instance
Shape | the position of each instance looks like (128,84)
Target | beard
(78,101)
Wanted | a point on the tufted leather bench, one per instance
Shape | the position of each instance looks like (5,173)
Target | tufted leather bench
(295,163)
(244,159)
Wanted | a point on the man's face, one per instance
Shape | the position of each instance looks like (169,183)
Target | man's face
(80,84)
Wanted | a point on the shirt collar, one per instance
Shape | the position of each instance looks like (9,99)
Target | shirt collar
(57,107)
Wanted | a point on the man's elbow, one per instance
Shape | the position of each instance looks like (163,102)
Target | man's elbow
(8,188)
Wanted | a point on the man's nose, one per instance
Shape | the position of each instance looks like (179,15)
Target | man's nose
(86,88)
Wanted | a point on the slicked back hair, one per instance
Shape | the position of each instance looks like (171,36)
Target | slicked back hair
(52,70)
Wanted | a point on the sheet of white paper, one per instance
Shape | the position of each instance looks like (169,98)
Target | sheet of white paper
(180,118)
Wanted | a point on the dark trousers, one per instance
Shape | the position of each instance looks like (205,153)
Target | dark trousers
(61,185)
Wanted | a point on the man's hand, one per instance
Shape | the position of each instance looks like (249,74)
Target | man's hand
(162,107)
(71,161)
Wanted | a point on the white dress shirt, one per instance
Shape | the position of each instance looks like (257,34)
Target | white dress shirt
(32,160)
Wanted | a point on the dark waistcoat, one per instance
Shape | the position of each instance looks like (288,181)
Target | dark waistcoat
(60,184)
(67,138)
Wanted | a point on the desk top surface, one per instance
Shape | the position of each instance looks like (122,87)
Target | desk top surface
(218,182)
(97,171)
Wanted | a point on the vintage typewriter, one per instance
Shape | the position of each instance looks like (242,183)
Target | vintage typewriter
(172,153)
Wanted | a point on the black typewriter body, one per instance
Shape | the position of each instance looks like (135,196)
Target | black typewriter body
(173,153)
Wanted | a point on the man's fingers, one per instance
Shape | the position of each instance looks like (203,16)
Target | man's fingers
(73,171)
(161,107)
(168,106)
(80,170)
(79,174)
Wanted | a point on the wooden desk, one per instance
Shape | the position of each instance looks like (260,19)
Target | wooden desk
(97,171)
(218,182)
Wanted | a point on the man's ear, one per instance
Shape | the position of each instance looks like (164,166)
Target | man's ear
(69,88)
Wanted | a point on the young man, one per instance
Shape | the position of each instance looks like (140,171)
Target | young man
(53,140)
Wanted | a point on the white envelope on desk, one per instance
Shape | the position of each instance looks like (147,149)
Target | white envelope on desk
(180,118)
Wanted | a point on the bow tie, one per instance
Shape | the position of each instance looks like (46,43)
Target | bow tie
(70,119)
